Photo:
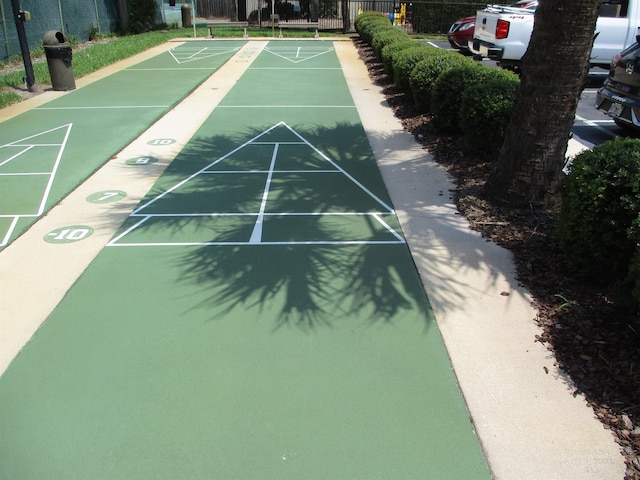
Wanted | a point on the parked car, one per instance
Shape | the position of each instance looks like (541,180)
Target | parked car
(461,32)
(619,96)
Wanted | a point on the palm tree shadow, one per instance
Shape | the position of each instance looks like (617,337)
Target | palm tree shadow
(301,275)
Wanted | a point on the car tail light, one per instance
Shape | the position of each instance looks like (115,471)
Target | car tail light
(616,61)
(502,29)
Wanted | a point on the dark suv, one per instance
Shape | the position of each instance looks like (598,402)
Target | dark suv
(619,96)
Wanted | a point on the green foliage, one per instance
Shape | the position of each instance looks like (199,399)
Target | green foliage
(426,72)
(446,99)
(405,61)
(9,98)
(142,15)
(599,226)
(386,37)
(390,51)
(634,268)
(368,23)
(486,110)
(437,17)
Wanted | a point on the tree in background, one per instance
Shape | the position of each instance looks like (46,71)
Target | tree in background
(142,15)
(554,69)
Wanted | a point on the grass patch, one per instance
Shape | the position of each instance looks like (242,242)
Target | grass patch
(9,98)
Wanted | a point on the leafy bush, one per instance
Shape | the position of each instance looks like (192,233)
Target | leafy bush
(142,15)
(426,72)
(485,110)
(599,227)
(446,99)
(437,17)
(405,61)
(386,37)
(390,51)
(367,23)
(634,268)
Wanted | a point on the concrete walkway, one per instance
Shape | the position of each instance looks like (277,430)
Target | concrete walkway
(529,424)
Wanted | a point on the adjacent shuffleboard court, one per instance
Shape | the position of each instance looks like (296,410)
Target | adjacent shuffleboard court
(48,151)
(258,315)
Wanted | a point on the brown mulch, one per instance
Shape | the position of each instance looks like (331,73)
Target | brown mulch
(595,342)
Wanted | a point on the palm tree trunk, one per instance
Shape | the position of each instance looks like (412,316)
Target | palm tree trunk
(554,70)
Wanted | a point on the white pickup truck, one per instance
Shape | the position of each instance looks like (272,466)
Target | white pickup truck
(502,33)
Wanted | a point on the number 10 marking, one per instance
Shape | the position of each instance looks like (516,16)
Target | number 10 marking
(69,234)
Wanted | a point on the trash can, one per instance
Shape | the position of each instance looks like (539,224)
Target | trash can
(186,15)
(58,53)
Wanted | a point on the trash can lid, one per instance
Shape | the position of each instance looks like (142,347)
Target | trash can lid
(54,37)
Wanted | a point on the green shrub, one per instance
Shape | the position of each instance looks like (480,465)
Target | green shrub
(405,61)
(485,110)
(634,268)
(447,94)
(390,51)
(383,38)
(599,225)
(423,77)
(369,22)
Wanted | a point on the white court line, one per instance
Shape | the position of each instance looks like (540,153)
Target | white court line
(388,227)
(226,244)
(54,170)
(27,148)
(20,143)
(266,214)
(256,235)
(103,107)
(195,53)
(10,230)
(299,60)
(216,172)
(23,174)
(166,69)
(286,106)
(348,175)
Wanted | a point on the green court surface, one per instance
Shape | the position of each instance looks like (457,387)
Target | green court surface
(47,152)
(258,316)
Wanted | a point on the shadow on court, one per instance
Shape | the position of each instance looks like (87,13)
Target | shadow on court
(316,273)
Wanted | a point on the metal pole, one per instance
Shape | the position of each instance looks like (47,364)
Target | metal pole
(95,5)
(61,17)
(193,19)
(18,16)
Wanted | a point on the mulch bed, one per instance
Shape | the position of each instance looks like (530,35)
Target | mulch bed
(594,341)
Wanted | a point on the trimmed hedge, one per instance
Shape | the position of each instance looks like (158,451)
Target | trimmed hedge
(367,23)
(485,110)
(599,227)
(383,38)
(446,99)
(390,51)
(405,61)
(426,73)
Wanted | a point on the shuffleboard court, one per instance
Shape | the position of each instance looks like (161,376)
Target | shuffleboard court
(258,315)
(48,151)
